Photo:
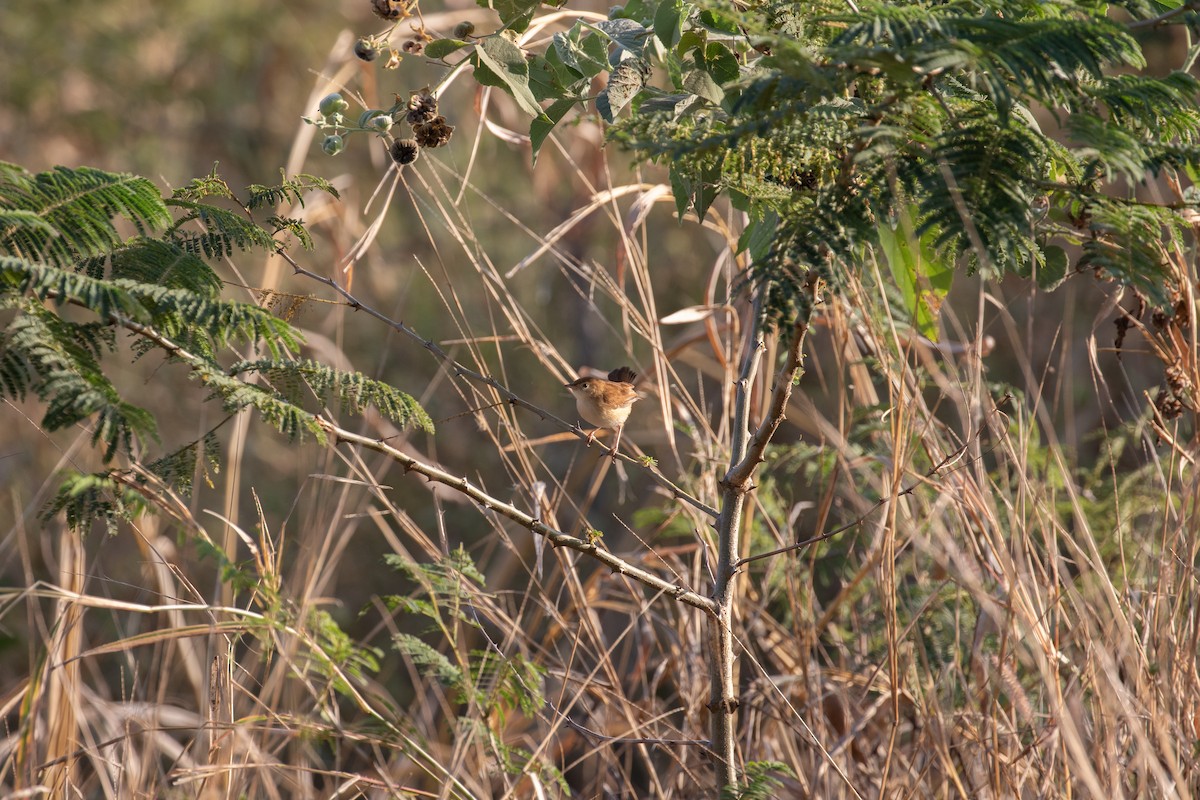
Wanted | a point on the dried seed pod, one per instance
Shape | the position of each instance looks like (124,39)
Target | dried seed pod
(413,47)
(1168,404)
(1122,324)
(422,108)
(391,9)
(434,133)
(1178,380)
(404,151)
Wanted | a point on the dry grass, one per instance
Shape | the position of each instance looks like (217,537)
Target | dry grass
(1004,614)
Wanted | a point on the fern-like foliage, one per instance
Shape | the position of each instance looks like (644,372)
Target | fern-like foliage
(179,468)
(235,395)
(296,379)
(86,498)
(443,586)
(212,231)
(288,190)
(60,361)
(65,215)
(155,262)
(60,248)
(834,124)
(758,782)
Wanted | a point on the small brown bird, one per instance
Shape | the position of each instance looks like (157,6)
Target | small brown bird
(606,403)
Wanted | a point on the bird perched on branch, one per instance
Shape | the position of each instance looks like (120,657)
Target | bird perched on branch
(606,403)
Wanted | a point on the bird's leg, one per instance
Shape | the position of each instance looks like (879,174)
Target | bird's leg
(616,443)
(592,437)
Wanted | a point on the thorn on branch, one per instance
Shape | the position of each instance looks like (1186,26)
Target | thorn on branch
(726,706)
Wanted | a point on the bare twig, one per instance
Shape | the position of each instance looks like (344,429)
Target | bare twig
(1164,17)
(938,467)
(745,456)
(555,537)
(458,370)
(490,503)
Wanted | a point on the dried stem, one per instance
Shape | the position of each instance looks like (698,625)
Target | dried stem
(458,370)
(490,503)
(745,457)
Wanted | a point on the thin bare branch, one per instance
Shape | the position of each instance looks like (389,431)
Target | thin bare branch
(554,536)
(458,370)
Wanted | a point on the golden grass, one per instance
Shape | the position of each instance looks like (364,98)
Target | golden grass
(1011,610)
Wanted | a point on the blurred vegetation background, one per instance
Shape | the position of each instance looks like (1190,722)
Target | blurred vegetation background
(169,90)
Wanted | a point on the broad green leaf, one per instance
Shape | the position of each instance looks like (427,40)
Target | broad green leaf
(923,277)
(515,14)
(440,48)
(543,80)
(543,125)
(707,188)
(668,21)
(681,189)
(625,81)
(507,63)
(634,9)
(759,235)
(628,35)
(716,21)
(1054,270)
(568,77)
(677,104)
(582,50)
(720,62)
(699,82)
(689,40)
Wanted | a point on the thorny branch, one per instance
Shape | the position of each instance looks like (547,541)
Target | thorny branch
(556,537)
(553,535)
(458,370)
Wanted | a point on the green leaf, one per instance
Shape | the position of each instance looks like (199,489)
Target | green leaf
(628,35)
(689,40)
(507,63)
(515,14)
(707,189)
(700,83)
(76,208)
(545,79)
(681,189)
(1054,270)
(625,81)
(718,22)
(720,62)
(293,380)
(922,276)
(582,50)
(440,48)
(543,125)
(759,234)
(668,22)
